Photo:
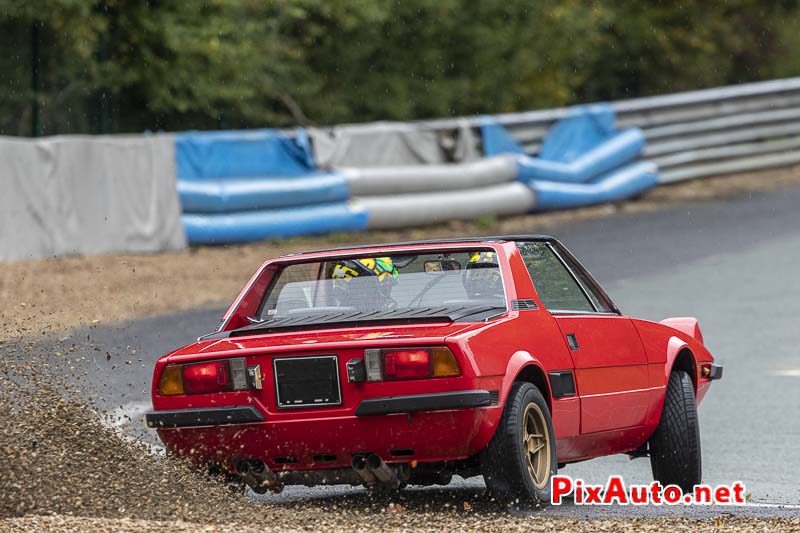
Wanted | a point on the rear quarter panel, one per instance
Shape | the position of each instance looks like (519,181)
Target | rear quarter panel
(531,338)
(662,346)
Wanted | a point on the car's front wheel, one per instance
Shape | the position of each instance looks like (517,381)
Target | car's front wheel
(521,457)
(675,445)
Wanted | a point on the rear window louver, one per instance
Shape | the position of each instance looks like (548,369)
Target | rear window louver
(523,305)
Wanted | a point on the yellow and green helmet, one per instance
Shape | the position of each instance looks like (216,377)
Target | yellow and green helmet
(382,268)
(482,258)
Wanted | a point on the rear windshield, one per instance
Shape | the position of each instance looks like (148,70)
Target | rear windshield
(425,282)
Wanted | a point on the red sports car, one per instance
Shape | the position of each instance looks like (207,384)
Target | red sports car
(407,363)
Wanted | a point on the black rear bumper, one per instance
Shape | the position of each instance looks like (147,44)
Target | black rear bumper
(424,402)
(210,416)
(218,416)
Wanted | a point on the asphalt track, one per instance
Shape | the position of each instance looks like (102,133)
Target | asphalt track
(734,264)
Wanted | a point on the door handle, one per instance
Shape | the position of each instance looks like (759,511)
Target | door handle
(572,340)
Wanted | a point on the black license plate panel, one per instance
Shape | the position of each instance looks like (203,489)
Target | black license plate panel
(310,381)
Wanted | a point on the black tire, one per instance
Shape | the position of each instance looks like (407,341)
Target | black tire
(505,460)
(675,446)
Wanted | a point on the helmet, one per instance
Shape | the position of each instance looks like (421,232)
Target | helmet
(353,278)
(482,276)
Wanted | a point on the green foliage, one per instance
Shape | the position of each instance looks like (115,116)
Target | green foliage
(131,65)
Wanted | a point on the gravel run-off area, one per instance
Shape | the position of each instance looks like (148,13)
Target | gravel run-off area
(63,467)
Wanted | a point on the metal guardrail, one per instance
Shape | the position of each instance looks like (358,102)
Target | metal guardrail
(689,135)
(685,135)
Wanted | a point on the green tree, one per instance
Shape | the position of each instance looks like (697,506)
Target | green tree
(130,65)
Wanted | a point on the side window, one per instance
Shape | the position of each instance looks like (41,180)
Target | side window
(556,287)
(597,299)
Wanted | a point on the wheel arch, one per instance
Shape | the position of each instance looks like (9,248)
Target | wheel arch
(534,374)
(680,357)
(521,366)
(526,368)
(685,360)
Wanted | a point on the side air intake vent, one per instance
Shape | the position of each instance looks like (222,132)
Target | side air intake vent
(523,305)
(494,397)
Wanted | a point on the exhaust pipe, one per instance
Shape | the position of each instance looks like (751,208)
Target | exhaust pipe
(359,465)
(258,476)
(382,472)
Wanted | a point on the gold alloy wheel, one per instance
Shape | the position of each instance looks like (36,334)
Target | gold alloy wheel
(536,440)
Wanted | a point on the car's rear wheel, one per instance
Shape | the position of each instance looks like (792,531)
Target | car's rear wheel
(675,446)
(521,457)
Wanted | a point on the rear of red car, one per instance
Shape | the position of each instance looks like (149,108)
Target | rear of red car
(326,364)
(316,401)
(323,399)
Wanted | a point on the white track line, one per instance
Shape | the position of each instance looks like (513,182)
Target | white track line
(771,505)
(791,373)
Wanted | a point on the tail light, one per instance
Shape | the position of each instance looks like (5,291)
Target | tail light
(200,378)
(171,382)
(205,377)
(410,363)
(407,364)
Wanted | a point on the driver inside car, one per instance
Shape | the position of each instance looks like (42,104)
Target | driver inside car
(482,280)
(365,284)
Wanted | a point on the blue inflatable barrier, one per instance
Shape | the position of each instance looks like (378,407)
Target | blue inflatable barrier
(580,146)
(228,195)
(242,186)
(585,128)
(247,226)
(239,154)
(618,150)
(617,185)
(496,139)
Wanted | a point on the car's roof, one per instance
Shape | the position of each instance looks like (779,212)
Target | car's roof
(460,240)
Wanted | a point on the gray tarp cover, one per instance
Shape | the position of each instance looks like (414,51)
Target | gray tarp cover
(382,144)
(88,195)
